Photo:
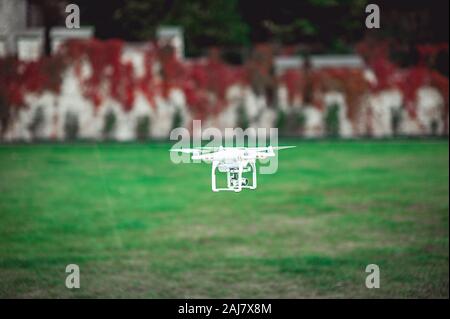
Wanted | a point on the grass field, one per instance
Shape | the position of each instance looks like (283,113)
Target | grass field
(141,227)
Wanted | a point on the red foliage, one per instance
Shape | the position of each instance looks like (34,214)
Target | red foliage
(205,82)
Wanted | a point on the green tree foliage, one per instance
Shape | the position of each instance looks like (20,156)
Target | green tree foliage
(332,120)
(396,118)
(243,120)
(205,23)
(71,126)
(143,127)
(109,125)
(330,24)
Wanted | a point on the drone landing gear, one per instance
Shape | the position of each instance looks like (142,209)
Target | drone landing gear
(235,181)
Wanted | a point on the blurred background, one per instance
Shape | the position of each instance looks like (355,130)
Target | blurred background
(136,69)
(367,183)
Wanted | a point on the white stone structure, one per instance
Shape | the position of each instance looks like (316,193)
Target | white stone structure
(13,16)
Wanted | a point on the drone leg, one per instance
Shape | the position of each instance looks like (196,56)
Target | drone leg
(253,165)
(213,177)
(239,181)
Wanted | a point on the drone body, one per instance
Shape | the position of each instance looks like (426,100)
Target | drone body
(234,161)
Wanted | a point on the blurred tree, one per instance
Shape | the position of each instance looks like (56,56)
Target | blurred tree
(205,23)
(143,127)
(52,15)
(319,25)
(177,119)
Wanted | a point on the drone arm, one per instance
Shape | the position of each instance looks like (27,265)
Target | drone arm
(264,155)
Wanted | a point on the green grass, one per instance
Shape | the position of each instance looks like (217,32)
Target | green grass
(140,226)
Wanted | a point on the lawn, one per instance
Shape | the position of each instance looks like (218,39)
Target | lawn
(141,227)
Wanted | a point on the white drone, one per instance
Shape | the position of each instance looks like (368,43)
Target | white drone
(232,160)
